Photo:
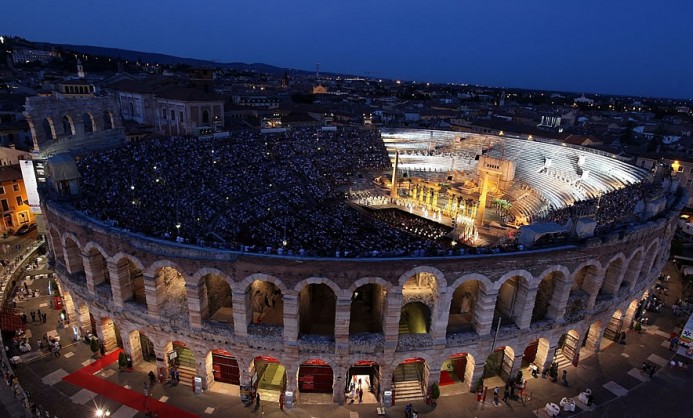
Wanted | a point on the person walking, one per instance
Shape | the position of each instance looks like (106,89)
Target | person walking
(33,316)
(152,378)
(565,377)
(495,396)
(257,400)
(360,395)
(44,317)
(506,394)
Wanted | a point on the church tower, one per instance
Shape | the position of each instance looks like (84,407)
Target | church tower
(80,69)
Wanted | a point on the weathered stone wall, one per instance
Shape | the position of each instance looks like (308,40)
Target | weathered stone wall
(646,246)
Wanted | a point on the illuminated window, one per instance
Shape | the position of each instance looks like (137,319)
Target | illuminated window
(2,189)
(15,187)
(20,202)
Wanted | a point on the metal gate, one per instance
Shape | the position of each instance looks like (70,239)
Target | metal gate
(225,368)
(506,366)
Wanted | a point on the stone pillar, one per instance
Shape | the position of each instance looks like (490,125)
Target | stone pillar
(195,295)
(133,346)
(242,313)
(594,337)
(160,350)
(292,378)
(73,259)
(559,300)
(338,384)
(439,322)
(83,319)
(385,378)
(550,350)
(151,292)
(469,373)
(542,356)
(203,368)
(341,322)
(69,307)
(477,375)
(517,363)
(524,305)
(91,272)
(290,318)
(483,312)
(121,284)
(393,310)
(433,373)
(593,289)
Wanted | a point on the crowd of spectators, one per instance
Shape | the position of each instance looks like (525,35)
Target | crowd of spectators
(277,193)
(254,192)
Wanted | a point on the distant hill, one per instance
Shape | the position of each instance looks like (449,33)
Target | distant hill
(164,59)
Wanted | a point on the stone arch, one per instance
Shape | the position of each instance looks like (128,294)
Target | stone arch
(197,277)
(68,125)
(552,287)
(317,306)
(170,298)
(513,298)
(96,268)
(613,274)
(439,276)
(415,318)
(49,129)
(594,335)
(261,290)
(127,274)
(457,368)
(244,285)
(400,358)
(72,253)
(369,280)
(633,269)
(154,268)
(56,243)
(108,120)
(215,296)
(650,255)
(586,276)
(88,122)
(463,301)
(368,305)
(319,280)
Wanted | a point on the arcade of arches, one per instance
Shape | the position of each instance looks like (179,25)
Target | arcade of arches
(313,333)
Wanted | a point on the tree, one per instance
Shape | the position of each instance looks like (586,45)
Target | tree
(435,392)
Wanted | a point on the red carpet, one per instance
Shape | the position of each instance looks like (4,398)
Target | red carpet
(85,378)
(445,378)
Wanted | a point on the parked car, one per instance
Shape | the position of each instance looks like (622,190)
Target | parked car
(25,229)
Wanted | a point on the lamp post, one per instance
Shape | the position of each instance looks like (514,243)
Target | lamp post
(103,413)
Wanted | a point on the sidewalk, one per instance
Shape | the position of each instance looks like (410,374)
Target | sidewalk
(613,375)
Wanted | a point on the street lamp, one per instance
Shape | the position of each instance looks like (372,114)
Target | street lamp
(103,413)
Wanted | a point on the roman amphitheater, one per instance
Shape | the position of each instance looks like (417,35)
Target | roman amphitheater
(480,305)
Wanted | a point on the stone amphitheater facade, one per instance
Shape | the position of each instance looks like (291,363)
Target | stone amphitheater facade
(543,294)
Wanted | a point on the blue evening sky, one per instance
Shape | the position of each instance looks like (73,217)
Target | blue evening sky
(632,47)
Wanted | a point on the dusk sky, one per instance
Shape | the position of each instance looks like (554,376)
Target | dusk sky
(630,47)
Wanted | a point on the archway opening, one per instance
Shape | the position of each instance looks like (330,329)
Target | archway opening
(545,293)
(49,129)
(266,304)
(631,274)
(614,331)
(367,309)
(581,290)
(107,120)
(99,272)
(315,376)
(409,379)
(568,349)
(133,289)
(111,335)
(183,360)
(415,318)
(219,304)
(593,337)
(535,356)
(507,308)
(88,123)
(499,366)
(269,377)
(225,367)
(454,370)
(612,280)
(368,372)
(462,305)
(317,306)
(147,347)
(68,127)
(173,302)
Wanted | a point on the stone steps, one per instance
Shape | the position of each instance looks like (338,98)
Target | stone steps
(408,390)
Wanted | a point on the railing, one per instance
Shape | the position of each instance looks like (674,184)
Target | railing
(367,342)
(310,343)
(409,342)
